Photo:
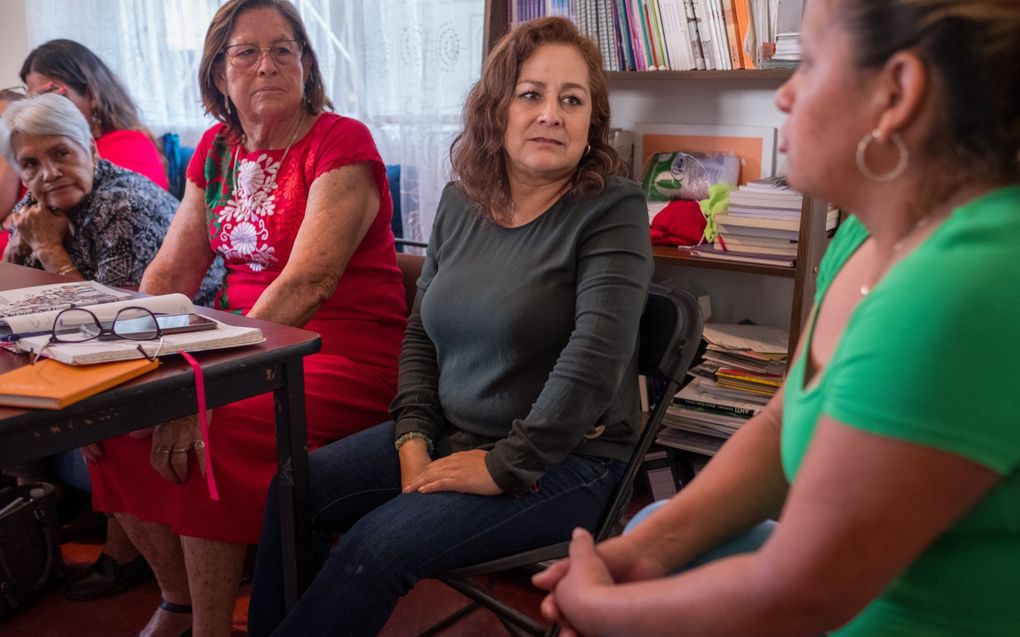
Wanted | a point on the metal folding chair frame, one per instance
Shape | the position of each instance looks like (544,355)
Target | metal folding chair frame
(669,336)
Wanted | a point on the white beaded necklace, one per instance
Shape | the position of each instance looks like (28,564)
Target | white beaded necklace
(896,247)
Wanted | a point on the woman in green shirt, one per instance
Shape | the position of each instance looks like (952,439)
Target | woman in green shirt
(893,451)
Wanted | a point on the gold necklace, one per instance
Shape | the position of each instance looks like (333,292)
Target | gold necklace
(896,247)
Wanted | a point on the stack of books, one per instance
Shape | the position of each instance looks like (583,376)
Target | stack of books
(742,369)
(761,224)
(675,35)
(787,36)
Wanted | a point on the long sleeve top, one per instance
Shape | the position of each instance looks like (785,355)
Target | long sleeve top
(522,340)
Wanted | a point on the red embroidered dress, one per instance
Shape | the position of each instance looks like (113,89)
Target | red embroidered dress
(255,203)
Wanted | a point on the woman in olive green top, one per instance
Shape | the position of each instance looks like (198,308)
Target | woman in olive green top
(893,450)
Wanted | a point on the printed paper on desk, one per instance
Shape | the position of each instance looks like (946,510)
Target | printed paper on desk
(56,296)
(106,311)
(757,338)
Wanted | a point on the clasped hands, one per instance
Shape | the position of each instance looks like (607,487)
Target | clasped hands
(585,582)
(172,443)
(36,229)
(464,471)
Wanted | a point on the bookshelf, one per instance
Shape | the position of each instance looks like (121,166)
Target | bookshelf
(666,84)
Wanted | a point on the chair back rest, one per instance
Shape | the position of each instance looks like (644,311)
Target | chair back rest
(177,159)
(668,340)
(410,267)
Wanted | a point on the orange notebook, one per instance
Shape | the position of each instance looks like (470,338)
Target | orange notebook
(52,385)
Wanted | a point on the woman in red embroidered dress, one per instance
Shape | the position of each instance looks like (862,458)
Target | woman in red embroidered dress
(296,200)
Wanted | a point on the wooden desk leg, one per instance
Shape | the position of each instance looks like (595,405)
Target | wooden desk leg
(292,460)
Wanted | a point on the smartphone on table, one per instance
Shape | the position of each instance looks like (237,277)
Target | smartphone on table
(168,324)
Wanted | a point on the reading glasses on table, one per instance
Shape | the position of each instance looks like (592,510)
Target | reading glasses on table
(79,325)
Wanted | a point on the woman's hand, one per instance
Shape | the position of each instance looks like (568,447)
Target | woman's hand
(464,471)
(625,559)
(172,443)
(583,586)
(414,457)
(41,229)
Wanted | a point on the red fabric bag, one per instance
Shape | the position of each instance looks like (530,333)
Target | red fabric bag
(680,223)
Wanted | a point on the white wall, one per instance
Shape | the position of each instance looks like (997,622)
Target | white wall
(13,41)
(734,296)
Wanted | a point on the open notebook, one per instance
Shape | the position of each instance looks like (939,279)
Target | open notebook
(27,315)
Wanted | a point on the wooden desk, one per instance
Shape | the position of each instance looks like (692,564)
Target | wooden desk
(169,392)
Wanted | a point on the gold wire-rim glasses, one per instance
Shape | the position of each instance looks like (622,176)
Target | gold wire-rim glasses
(283,53)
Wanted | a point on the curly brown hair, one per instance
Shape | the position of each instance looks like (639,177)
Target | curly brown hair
(213,59)
(477,157)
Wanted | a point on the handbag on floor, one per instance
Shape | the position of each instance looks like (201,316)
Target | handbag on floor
(29,544)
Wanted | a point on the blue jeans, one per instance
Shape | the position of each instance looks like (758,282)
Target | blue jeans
(745,543)
(392,539)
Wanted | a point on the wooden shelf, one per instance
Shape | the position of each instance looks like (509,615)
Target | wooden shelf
(812,234)
(668,255)
(739,74)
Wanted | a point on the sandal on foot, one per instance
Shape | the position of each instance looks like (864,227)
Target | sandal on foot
(170,607)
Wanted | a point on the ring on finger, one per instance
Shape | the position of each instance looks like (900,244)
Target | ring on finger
(199,444)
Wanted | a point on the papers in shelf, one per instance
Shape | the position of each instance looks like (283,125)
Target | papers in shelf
(765,339)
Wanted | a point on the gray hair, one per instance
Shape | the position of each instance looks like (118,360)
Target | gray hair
(48,114)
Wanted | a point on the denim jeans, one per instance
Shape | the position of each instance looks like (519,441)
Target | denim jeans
(392,539)
(748,542)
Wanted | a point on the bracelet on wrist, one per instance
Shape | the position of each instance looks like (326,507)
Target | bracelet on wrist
(412,435)
(67,269)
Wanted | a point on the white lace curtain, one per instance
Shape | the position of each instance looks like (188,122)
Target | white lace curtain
(401,66)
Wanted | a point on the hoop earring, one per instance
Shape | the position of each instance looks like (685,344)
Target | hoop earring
(226,104)
(901,164)
(587,150)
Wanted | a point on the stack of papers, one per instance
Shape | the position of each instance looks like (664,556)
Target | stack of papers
(742,368)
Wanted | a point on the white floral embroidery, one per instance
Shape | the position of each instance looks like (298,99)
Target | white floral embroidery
(244,237)
(243,228)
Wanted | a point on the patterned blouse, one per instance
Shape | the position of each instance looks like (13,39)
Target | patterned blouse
(117,229)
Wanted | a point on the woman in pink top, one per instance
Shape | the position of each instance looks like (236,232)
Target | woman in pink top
(11,188)
(71,69)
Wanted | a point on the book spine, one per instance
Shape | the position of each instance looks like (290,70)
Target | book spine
(634,20)
(745,34)
(660,36)
(705,35)
(692,34)
(623,32)
(653,56)
(700,404)
(731,34)
(606,39)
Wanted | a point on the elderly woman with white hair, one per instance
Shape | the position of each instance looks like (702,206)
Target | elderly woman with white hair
(83,217)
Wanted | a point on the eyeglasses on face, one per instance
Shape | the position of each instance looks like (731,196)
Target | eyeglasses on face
(283,53)
(78,325)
